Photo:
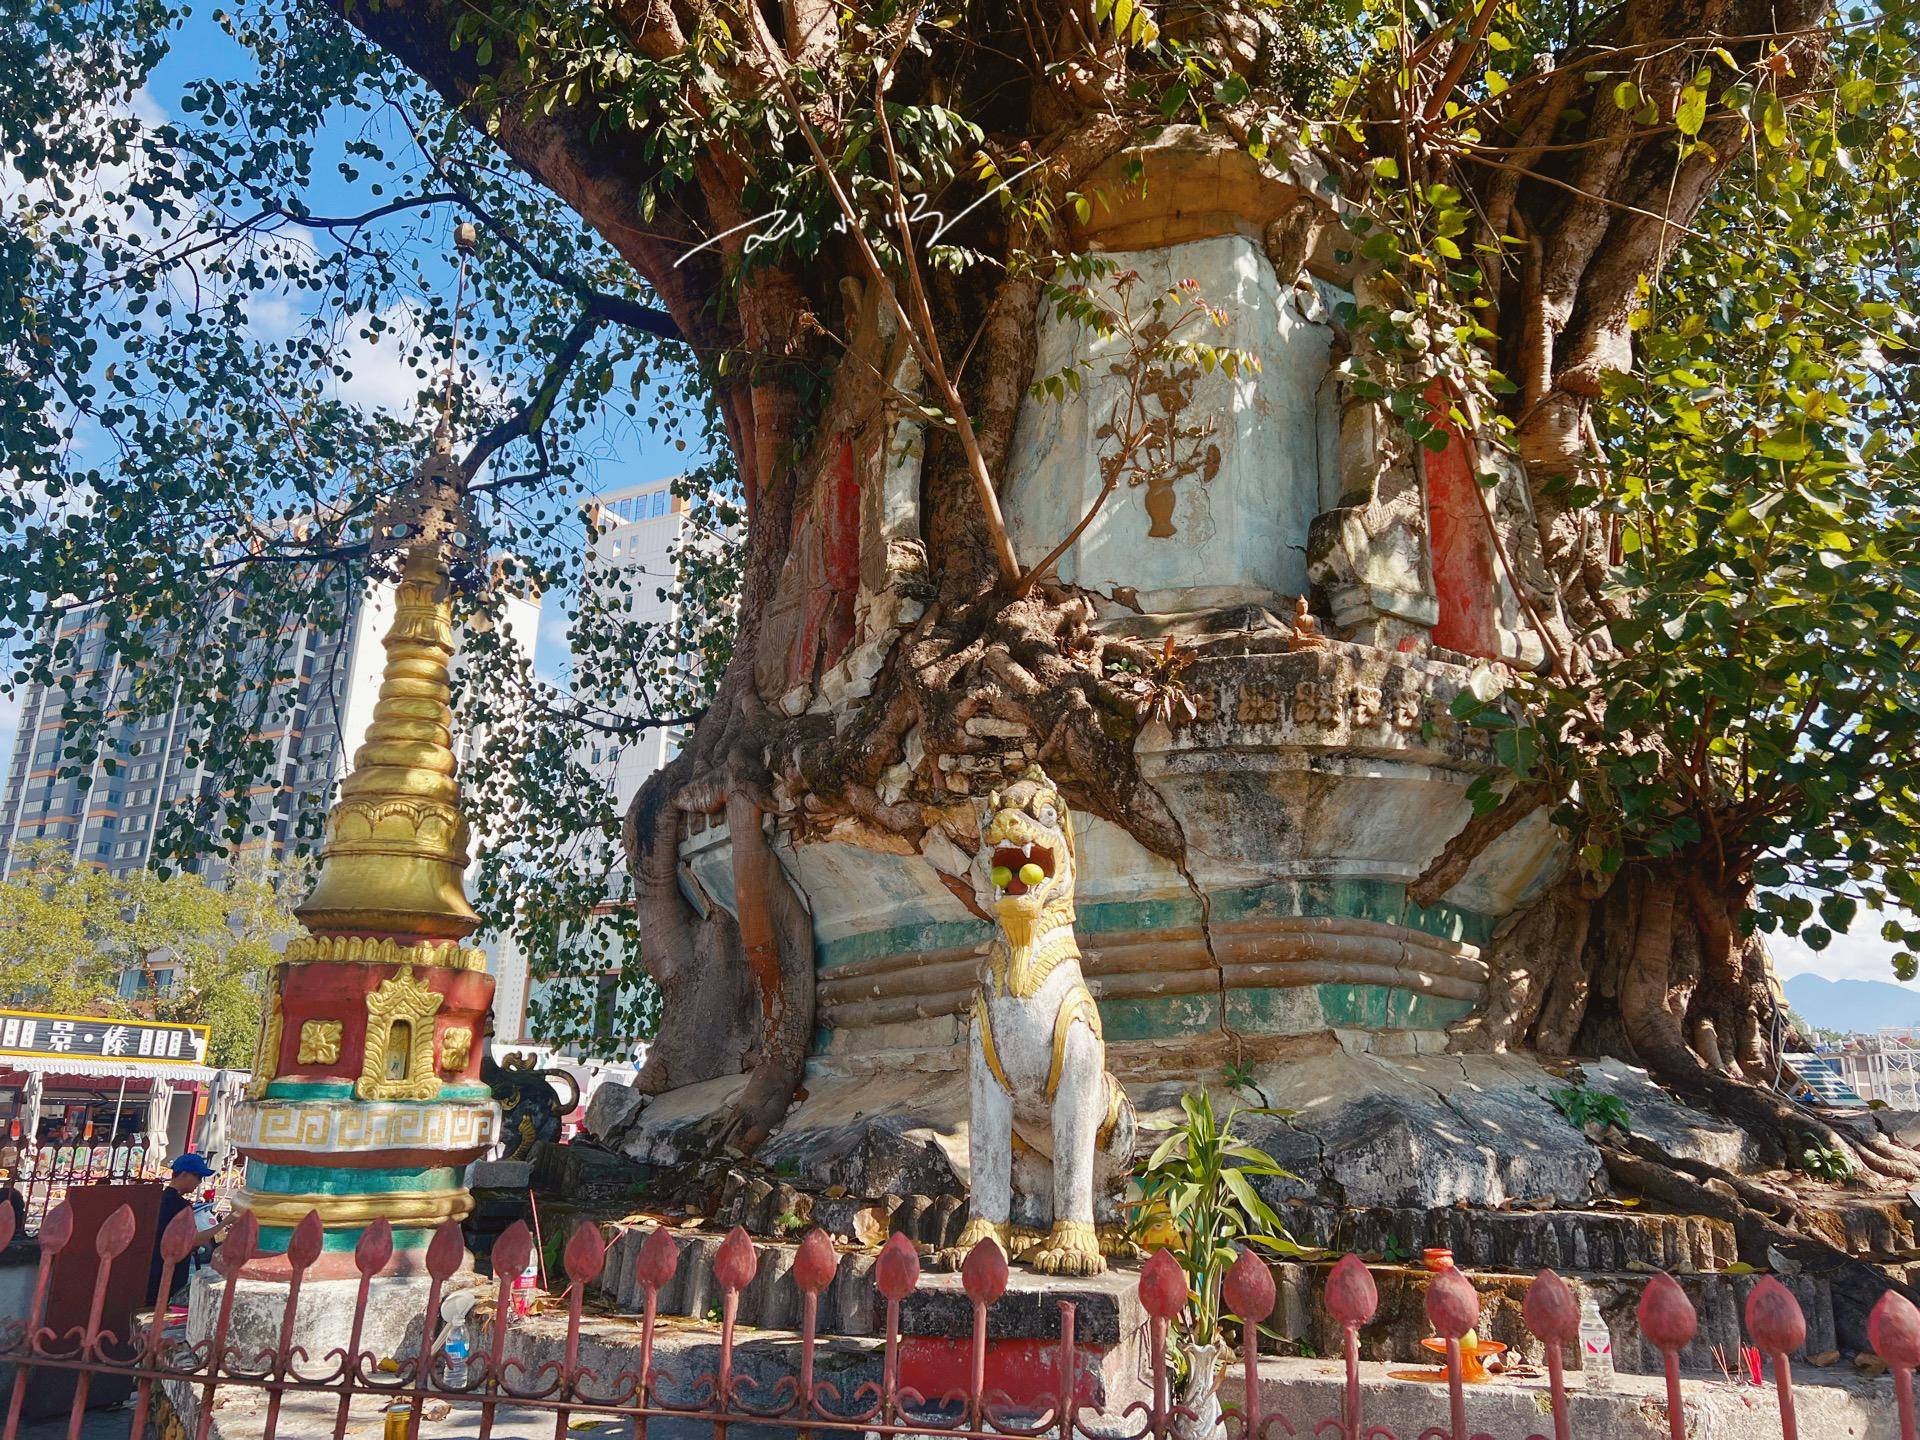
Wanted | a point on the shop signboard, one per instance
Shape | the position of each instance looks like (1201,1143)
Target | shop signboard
(30,1032)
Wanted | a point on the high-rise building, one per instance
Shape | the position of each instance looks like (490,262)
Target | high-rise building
(630,565)
(331,679)
(630,569)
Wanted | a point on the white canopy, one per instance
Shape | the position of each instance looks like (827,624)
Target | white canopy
(97,1067)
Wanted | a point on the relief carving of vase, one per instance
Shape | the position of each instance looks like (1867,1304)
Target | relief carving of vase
(1159,503)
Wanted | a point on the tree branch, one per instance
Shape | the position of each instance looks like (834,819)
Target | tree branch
(533,412)
(616,309)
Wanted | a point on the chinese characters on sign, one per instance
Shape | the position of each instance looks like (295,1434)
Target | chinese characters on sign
(27,1033)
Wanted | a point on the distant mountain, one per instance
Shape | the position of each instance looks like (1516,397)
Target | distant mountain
(1862,1005)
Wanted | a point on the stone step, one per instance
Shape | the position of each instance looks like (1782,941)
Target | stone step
(774,1208)
(1519,1240)
(1108,1306)
(1872,1225)
(1480,1239)
(1830,1405)
(1401,1321)
(936,1320)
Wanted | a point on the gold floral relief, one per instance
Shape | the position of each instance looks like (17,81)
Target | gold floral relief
(320,1042)
(456,1046)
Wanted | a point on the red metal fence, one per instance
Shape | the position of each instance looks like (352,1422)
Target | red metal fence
(725,1397)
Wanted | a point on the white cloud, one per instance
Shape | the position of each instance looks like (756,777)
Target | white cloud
(553,651)
(382,376)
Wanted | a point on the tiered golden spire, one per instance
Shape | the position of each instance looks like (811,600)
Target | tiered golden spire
(396,851)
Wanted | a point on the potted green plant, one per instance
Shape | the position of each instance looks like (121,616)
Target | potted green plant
(1195,1198)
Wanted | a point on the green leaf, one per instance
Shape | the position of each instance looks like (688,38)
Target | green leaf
(1690,115)
(1773,120)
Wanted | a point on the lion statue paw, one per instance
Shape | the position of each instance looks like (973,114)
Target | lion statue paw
(1070,1248)
(955,1255)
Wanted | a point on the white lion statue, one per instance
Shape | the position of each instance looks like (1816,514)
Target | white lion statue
(1052,1132)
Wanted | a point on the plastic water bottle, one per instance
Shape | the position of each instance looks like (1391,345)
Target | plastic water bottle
(1596,1346)
(459,1348)
(524,1286)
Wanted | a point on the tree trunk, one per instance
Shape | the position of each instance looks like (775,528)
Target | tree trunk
(1656,970)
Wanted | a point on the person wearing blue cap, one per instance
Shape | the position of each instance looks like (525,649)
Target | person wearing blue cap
(190,1171)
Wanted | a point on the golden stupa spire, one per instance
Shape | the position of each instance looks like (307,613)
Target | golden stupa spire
(396,853)
(395,859)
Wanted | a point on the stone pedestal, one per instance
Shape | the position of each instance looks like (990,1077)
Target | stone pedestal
(1110,1357)
(389,1328)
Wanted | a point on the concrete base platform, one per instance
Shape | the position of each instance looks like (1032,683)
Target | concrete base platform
(1416,1130)
(390,1326)
(1838,1407)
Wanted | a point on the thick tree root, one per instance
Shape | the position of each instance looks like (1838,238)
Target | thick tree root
(1763,1221)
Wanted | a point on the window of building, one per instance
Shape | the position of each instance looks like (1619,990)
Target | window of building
(606,1005)
(660,503)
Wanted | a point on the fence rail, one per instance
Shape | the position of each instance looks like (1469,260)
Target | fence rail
(42,1174)
(726,1397)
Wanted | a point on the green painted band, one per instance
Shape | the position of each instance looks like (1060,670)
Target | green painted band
(1267,1010)
(310,1089)
(1384,901)
(343,1090)
(264,1179)
(274,1239)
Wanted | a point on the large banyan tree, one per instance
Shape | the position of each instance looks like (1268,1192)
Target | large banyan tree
(1432,489)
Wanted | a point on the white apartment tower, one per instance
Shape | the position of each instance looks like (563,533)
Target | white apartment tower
(629,565)
(639,531)
(111,820)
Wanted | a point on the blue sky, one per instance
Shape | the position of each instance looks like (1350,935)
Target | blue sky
(620,453)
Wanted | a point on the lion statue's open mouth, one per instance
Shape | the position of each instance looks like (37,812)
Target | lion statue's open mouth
(1027,843)
(1020,868)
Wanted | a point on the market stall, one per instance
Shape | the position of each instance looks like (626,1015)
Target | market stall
(86,1099)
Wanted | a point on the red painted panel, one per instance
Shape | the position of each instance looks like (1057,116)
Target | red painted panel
(1463,559)
(1027,1372)
(70,1290)
(842,553)
(827,554)
(326,990)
